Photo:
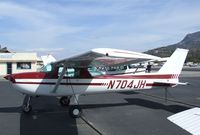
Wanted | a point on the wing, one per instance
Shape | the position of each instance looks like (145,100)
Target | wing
(106,57)
(188,120)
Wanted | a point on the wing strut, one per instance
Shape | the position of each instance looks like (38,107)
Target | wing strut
(59,79)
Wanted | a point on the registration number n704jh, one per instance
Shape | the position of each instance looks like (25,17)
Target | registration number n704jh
(126,84)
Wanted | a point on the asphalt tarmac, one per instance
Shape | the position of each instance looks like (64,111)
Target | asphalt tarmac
(130,113)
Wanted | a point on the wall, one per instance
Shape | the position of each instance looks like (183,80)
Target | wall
(15,70)
(3,69)
(14,58)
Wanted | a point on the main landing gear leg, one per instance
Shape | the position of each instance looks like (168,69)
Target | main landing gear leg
(74,109)
(166,94)
(27,107)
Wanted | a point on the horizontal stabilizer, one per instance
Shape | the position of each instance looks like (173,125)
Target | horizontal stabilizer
(170,83)
(188,120)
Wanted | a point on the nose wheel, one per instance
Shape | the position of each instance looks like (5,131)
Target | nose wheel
(75,111)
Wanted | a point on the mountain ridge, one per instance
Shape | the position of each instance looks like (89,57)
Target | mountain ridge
(190,41)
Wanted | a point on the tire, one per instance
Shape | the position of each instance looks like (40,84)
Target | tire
(27,109)
(75,111)
(64,101)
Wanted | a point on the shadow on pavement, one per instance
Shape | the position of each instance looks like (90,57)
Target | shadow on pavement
(155,105)
(140,102)
(47,118)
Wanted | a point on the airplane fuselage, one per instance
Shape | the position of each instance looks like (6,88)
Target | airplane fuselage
(39,83)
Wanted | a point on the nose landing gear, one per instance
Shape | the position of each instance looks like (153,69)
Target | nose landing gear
(75,111)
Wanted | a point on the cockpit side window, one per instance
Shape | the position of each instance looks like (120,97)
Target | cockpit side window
(75,72)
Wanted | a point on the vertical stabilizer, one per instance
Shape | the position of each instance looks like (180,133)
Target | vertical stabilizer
(175,63)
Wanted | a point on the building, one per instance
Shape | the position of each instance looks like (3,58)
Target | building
(18,62)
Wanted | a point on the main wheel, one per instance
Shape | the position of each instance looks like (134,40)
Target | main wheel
(26,108)
(64,101)
(75,111)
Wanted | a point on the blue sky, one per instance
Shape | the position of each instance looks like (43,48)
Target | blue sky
(68,27)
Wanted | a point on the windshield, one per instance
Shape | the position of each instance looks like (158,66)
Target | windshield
(47,68)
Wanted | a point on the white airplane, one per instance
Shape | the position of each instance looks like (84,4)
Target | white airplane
(70,77)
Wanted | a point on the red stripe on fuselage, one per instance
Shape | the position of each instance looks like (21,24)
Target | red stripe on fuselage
(166,76)
(53,83)
(92,84)
(42,75)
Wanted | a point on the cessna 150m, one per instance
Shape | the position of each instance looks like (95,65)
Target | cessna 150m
(72,77)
